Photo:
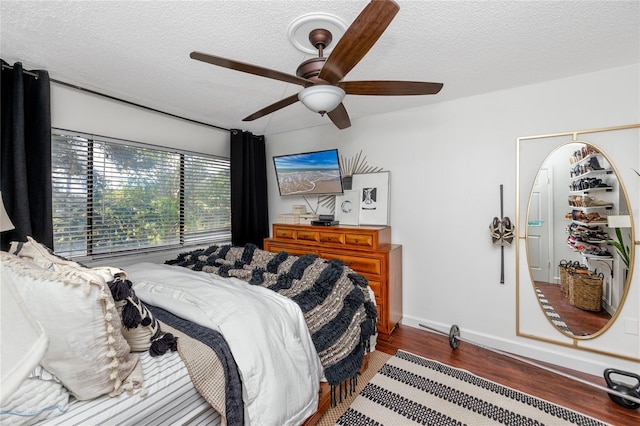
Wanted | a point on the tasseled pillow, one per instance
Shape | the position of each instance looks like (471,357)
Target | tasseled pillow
(140,328)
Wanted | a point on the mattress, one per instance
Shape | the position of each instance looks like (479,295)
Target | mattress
(171,399)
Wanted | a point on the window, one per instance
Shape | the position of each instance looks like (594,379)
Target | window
(113,196)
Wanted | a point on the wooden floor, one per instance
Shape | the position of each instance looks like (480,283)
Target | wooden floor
(515,374)
(579,321)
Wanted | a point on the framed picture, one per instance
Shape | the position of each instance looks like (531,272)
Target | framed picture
(373,193)
(347,208)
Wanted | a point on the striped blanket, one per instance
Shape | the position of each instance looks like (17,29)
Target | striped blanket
(334,299)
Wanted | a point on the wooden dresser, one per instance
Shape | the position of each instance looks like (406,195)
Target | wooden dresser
(365,249)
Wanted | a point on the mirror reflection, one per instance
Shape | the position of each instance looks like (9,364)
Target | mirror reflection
(575,216)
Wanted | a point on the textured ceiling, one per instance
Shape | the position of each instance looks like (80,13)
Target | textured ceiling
(139,50)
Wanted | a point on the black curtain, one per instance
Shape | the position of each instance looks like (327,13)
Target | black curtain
(25,165)
(249,208)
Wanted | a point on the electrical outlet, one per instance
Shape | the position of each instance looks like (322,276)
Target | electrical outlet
(631,326)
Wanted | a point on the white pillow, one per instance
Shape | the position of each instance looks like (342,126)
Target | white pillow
(41,255)
(44,257)
(139,337)
(34,401)
(87,350)
(139,326)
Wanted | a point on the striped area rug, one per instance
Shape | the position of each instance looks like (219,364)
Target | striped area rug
(410,389)
(555,318)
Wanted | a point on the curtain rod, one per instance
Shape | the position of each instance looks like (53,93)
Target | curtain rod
(93,92)
(31,73)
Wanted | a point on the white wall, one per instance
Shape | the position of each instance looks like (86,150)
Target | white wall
(447,162)
(74,109)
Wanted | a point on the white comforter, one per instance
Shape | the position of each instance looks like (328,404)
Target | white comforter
(266,333)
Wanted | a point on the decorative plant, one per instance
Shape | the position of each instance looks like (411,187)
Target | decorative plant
(356,165)
(623,250)
(348,167)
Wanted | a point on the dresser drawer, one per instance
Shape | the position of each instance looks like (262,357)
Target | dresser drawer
(285,234)
(366,265)
(332,237)
(307,235)
(376,287)
(359,240)
(293,249)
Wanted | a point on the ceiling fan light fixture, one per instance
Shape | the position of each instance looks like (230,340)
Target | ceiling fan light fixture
(321,98)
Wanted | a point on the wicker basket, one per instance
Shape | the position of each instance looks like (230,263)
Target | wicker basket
(585,291)
(306,219)
(566,267)
(288,218)
(564,277)
(299,209)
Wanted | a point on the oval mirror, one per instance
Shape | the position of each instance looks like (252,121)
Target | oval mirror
(577,207)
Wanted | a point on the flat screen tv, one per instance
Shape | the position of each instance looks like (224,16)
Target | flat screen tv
(309,173)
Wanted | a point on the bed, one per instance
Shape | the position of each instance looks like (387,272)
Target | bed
(171,399)
(245,336)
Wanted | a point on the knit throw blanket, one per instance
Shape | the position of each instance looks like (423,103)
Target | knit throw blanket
(334,299)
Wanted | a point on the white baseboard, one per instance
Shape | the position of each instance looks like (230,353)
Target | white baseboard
(578,360)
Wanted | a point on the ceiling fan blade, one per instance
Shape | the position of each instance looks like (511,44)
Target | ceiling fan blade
(249,68)
(340,117)
(273,107)
(358,39)
(390,88)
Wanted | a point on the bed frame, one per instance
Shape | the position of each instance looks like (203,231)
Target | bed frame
(324,397)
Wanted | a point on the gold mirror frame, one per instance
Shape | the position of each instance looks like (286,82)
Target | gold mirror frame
(555,141)
(627,280)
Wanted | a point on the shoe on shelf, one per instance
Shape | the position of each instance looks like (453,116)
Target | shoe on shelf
(595,164)
(596,237)
(593,183)
(593,202)
(580,216)
(595,218)
(598,252)
(587,228)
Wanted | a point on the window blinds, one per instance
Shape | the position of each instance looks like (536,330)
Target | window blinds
(112,196)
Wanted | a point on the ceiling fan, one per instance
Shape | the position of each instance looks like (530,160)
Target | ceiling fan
(322,77)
